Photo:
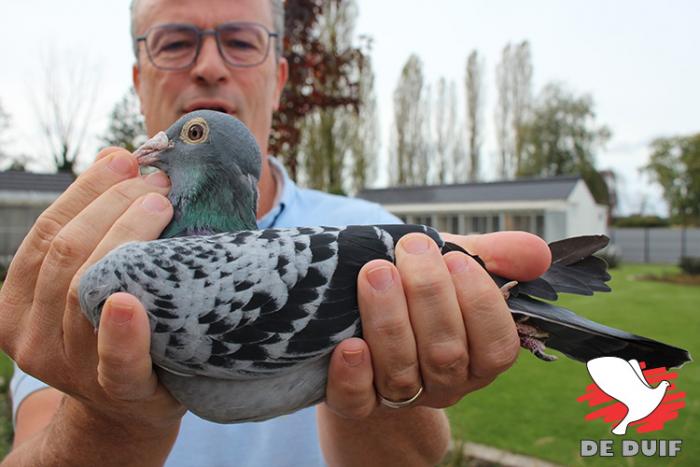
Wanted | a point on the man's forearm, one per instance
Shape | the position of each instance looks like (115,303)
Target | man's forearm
(406,437)
(76,436)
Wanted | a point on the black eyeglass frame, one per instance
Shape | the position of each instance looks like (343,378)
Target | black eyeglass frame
(206,32)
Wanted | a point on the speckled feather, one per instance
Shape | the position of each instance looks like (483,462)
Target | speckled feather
(253,306)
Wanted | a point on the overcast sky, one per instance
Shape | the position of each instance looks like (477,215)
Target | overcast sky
(638,58)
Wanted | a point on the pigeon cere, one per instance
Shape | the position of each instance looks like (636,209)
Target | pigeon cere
(244,320)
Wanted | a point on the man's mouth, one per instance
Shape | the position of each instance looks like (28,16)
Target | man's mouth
(148,153)
(216,105)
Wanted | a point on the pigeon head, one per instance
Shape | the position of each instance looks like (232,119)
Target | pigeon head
(200,141)
(213,163)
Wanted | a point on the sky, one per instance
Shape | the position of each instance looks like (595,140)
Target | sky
(637,58)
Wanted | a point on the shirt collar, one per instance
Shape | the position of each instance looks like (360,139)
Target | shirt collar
(284,194)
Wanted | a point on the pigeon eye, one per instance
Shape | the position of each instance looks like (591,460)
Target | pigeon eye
(195,131)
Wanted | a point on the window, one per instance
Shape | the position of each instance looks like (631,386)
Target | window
(539,225)
(478,224)
(521,222)
(528,222)
(423,219)
(454,228)
(448,223)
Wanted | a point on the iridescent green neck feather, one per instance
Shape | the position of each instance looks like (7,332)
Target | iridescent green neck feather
(211,201)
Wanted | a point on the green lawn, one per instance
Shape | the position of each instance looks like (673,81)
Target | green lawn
(5,409)
(532,409)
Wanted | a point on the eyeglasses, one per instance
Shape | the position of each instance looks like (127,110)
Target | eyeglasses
(177,46)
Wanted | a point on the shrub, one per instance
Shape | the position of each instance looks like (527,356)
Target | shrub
(641,221)
(690,265)
(612,254)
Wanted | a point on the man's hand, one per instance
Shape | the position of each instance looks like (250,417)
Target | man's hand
(435,322)
(108,376)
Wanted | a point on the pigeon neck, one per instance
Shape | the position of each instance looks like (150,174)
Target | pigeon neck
(212,210)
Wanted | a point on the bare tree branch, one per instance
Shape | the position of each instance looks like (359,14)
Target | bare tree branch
(64,106)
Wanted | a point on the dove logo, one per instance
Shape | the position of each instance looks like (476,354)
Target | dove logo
(641,399)
(623,380)
(646,399)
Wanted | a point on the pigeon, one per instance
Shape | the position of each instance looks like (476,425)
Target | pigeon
(244,320)
(623,380)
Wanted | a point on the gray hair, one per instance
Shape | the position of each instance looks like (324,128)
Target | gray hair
(277,7)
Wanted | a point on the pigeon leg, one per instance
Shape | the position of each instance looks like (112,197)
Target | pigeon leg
(531,339)
(505,289)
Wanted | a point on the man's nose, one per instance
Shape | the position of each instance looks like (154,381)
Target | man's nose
(210,67)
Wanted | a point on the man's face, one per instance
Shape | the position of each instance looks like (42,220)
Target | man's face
(251,94)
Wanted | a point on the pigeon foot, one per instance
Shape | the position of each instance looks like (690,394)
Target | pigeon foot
(532,339)
(505,289)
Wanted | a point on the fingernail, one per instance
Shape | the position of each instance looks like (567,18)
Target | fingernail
(456,263)
(119,312)
(416,244)
(353,358)
(155,203)
(158,179)
(123,164)
(380,278)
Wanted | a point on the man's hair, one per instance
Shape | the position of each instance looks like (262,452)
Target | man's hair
(277,7)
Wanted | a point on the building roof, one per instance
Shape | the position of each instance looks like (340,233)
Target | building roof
(34,182)
(533,189)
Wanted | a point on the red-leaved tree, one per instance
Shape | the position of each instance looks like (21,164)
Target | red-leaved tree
(319,78)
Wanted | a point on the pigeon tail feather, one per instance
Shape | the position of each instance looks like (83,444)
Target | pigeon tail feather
(573,270)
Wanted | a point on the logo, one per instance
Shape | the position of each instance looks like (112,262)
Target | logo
(628,397)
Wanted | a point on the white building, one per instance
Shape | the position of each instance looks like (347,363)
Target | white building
(553,208)
(23,196)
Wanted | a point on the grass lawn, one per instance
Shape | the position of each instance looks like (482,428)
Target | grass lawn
(5,409)
(532,408)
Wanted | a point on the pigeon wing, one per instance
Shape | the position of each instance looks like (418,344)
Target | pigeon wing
(573,270)
(237,305)
(582,339)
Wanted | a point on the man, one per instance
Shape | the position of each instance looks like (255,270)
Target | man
(434,328)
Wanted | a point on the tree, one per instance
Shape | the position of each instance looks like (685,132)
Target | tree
(335,151)
(408,152)
(503,112)
(473,84)
(4,127)
(561,137)
(126,125)
(13,162)
(318,77)
(611,181)
(675,165)
(514,85)
(445,131)
(521,89)
(366,140)
(65,109)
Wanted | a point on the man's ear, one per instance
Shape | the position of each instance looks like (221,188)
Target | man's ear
(136,81)
(136,77)
(282,75)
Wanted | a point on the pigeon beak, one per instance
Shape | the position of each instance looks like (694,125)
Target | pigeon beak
(147,154)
